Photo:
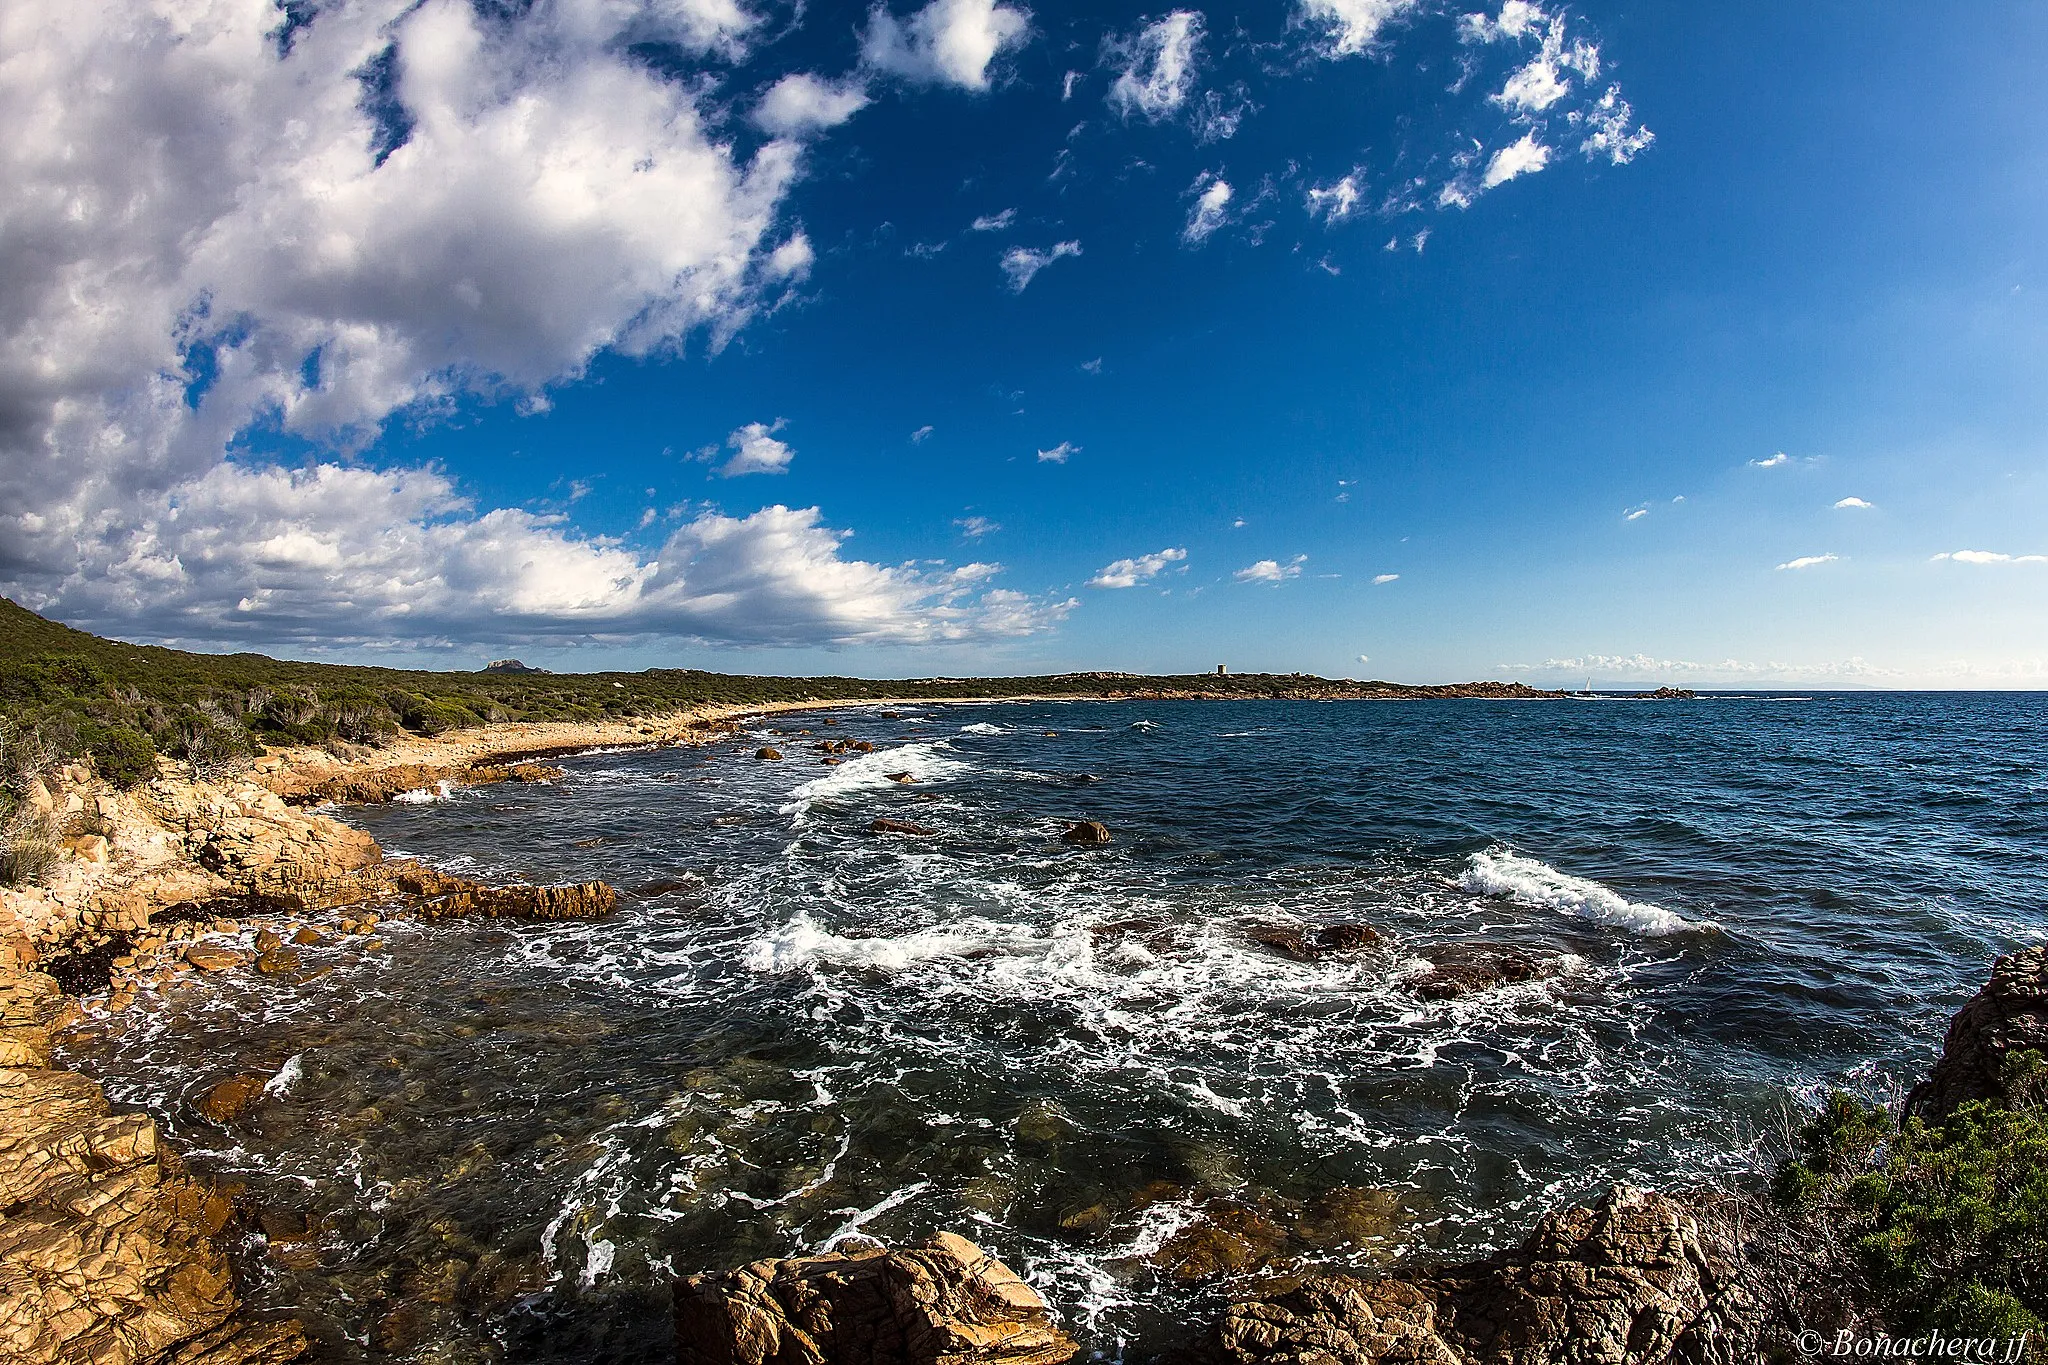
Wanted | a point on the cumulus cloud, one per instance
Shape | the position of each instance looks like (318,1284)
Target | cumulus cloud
(1808,561)
(1853,502)
(1022,264)
(408,203)
(1523,157)
(757,451)
(948,42)
(801,103)
(1772,462)
(1129,573)
(1156,66)
(1989,557)
(1059,454)
(1350,27)
(1211,208)
(334,555)
(1271,570)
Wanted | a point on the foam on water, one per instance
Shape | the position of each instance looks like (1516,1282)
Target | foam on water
(925,761)
(982,727)
(1539,885)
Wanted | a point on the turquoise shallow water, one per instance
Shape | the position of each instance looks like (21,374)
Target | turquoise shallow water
(503,1140)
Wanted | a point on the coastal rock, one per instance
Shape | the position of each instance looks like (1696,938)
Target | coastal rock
(443,895)
(765,752)
(1314,943)
(900,777)
(106,1244)
(227,1101)
(887,826)
(212,957)
(1086,834)
(2010,1014)
(1634,1279)
(946,1302)
(1461,969)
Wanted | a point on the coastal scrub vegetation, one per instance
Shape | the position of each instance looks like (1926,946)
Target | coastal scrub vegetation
(123,706)
(1940,1224)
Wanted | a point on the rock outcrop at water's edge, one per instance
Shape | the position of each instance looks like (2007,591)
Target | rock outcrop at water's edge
(2009,1015)
(946,1302)
(106,1243)
(1636,1278)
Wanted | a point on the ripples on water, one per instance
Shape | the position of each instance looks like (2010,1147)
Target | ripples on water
(497,1142)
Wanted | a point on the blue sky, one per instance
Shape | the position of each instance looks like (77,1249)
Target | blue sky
(1739,382)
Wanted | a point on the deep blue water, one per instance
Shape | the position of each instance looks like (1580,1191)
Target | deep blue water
(508,1137)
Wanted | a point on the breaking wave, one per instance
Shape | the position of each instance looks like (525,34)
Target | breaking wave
(1541,886)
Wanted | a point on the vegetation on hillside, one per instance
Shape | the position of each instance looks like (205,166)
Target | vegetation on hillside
(1939,1225)
(123,705)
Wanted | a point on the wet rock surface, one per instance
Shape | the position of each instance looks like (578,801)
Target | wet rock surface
(947,1302)
(1461,969)
(1086,834)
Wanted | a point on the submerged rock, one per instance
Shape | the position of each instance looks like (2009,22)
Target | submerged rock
(2009,1015)
(1314,943)
(887,826)
(1636,1277)
(1461,969)
(946,1302)
(765,752)
(1087,834)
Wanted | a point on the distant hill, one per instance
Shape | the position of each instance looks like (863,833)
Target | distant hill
(124,704)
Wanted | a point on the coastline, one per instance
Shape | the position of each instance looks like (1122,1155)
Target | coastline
(182,878)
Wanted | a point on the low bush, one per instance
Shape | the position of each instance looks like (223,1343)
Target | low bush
(1947,1221)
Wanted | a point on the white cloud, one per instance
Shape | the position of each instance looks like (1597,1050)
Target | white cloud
(1365,658)
(1524,157)
(1543,81)
(974,528)
(1989,557)
(1636,513)
(1808,561)
(1611,129)
(1518,19)
(1059,454)
(993,222)
(1129,573)
(756,451)
(1773,462)
(330,555)
(1380,580)
(1157,66)
(1092,366)
(411,204)
(1351,27)
(801,103)
(1022,264)
(1336,201)
(949,42)
(1271,570)
(918,437)
(1853,502)
(1734,670)
(1212,207)
(1218,116)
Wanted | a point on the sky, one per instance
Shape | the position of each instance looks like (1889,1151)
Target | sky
(1692,344)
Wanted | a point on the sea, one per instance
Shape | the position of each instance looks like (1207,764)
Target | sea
(492,1141)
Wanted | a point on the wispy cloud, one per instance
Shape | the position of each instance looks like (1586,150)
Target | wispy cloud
(1777,461)
(1351,27)
(993,222)
(1271,570)
(1059,454)
(1129,573)
(1523,157)
(1211,209)
(919,436)
(1380,580)
(1636,513)
(974,528)
(1988,557)
(1809,561)
(1022,264)
(1156,66)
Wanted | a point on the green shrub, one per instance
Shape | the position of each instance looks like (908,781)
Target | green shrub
(1948,1221)
(120,754)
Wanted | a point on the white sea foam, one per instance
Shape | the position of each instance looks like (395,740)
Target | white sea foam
(421,796)
(1539,885)
(924,761)
(982,727)
(801,943)
(287,1076)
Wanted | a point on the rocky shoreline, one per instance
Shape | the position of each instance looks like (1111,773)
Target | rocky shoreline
(110,1250)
